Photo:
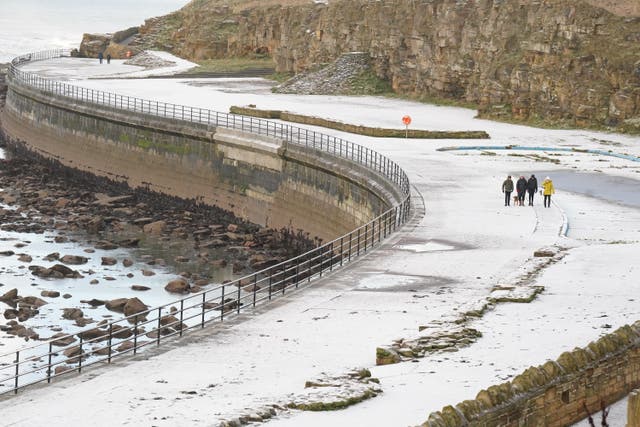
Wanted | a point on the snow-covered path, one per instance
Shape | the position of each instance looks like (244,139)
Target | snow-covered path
(461,243)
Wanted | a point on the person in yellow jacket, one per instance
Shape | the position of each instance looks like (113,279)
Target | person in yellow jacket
(547,191)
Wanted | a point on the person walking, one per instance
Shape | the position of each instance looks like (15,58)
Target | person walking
(108,58)
(507,189)
(547,191)
(100,57)
(521,189)
(532,187)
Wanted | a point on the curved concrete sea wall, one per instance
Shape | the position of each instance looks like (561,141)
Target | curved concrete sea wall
(270,173)
(261,178)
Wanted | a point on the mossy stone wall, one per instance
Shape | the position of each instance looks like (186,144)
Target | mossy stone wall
(555,393)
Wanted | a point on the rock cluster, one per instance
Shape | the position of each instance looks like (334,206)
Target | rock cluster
(327,393)
(43,196)
(149,60)
(331,80)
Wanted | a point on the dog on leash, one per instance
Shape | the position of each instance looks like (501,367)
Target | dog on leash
(515,201)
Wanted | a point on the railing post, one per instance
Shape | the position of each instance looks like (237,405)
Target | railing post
(159,324)
(109,342)
(203,302)
(373,233)
(297,271)
(331,257)
(49,362)
(255,288)
(15,388)
(366,236)
(309,268)
(80,355)
(284,278)
(181,315)
(222,304)
(238,300)
(270,283)
(135,335)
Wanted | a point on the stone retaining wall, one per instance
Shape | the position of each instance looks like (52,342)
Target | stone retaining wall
(555,393)
(259,179)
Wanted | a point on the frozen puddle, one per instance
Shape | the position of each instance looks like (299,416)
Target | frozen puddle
(426,247)
(391,282)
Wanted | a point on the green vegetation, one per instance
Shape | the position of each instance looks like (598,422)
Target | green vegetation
(280,77)
(232,65)
(368,83)
(334,405)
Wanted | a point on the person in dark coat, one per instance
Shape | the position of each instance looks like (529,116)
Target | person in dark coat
(108,58)
(507,189)
(100,57)
(532,187)
(521,189)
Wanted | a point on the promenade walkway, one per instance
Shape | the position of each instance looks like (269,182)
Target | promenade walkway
(460,244)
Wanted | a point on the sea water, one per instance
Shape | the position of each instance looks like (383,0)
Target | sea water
(34,25)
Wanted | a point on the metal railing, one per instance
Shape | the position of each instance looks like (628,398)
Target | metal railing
(291,134)
(101,344)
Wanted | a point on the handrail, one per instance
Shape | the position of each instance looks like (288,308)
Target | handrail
(129,334)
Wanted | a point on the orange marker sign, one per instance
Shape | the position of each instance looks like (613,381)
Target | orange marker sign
(406,120)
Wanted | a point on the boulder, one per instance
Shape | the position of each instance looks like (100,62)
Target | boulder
(106,260)
(93,302)
(65,271)
(50,294)
(25,258)
(127,262)
(52,257)
(116,304)
(140,288)
(10,313)
(10,295)
(125,346)
(106,245)
(74,259)
(94,334)
(134,306)
(62,340)
(72,313)
(156,227)
(32,302)
(129,243)
(178,286)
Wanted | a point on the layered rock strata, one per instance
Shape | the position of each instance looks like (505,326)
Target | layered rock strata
(556,61)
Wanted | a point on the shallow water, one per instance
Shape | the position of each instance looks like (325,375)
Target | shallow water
(615,189)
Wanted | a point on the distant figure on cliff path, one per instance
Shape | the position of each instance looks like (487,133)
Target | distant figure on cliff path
(100,57)
(507,189)
(547,191)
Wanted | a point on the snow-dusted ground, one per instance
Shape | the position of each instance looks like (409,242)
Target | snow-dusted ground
(92,68)
(461,243)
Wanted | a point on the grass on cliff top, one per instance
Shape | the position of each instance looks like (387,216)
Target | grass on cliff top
(230,65)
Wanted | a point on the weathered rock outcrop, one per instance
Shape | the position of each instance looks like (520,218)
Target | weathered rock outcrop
(559,61)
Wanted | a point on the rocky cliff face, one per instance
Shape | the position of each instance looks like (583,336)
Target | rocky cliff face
(556,61)
(3,85)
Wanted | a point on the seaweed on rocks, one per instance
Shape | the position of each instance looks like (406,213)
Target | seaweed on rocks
(54,196)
